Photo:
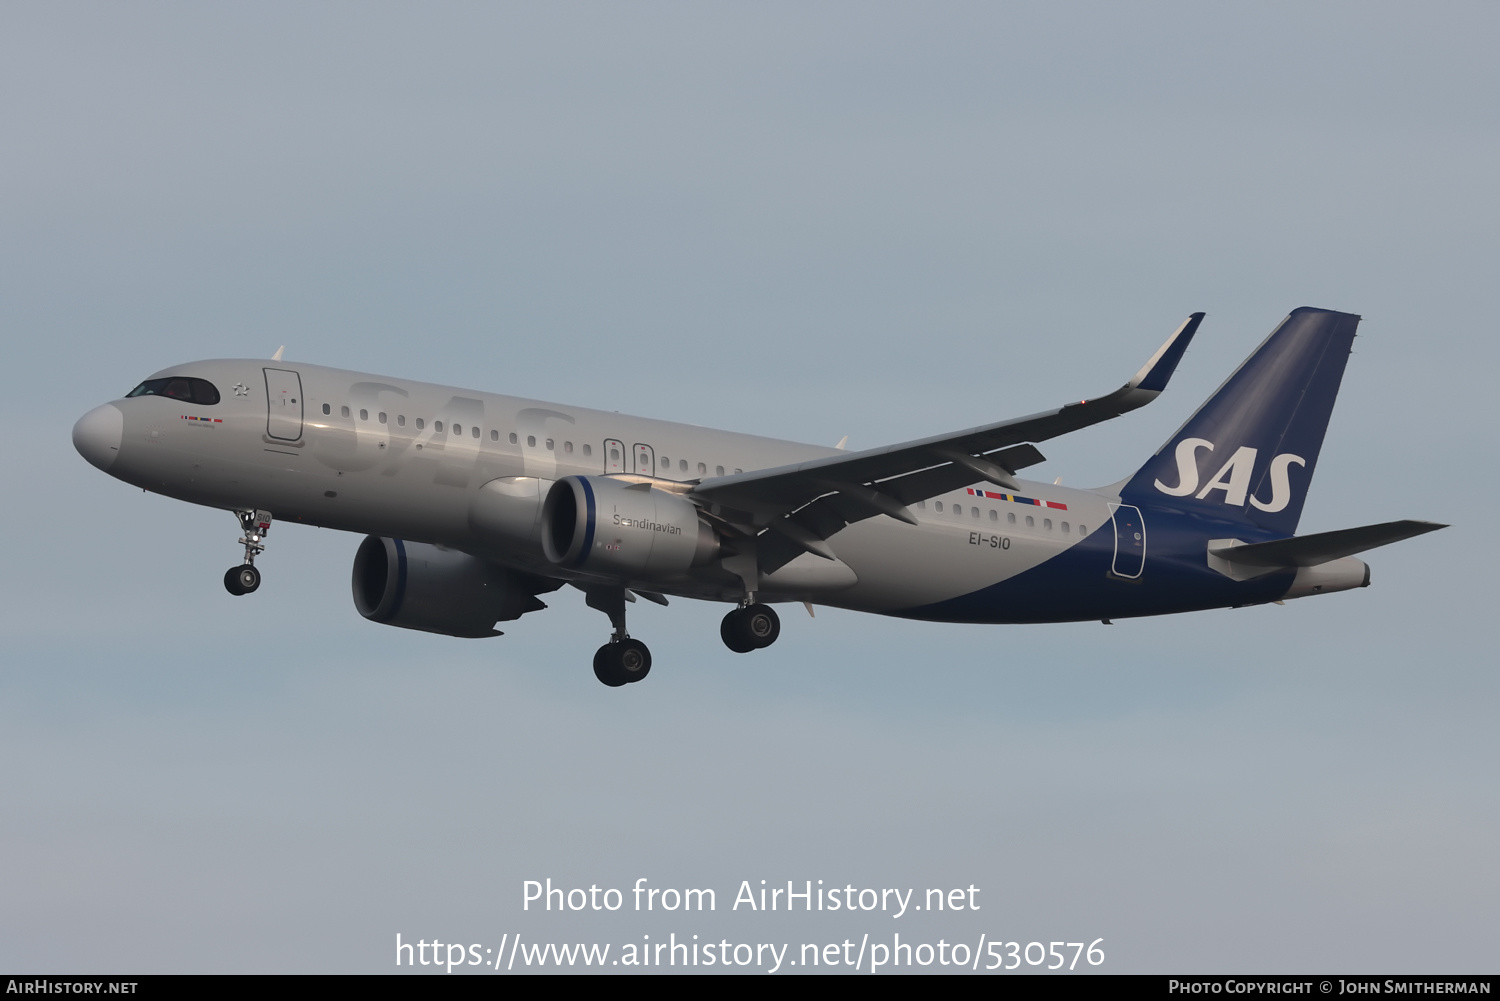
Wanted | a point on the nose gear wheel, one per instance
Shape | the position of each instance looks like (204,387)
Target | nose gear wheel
(241,579)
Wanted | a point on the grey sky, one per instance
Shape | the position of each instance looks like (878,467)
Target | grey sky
(798,220)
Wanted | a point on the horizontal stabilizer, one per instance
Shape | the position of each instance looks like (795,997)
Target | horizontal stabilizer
(1313,550)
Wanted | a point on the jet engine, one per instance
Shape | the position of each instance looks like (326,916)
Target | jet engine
(629,529)
(417,586)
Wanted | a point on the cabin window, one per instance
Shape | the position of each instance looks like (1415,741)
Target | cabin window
(494,435)
(364,415)
(549,444)
(1047,524)
(421,423)
(474,431)
(568,447)
(401,420)
(588,450)
(994,515)
(531,441)
(718,470)
(458,429)
(737,469)
(937,506)
(344,411)
(702,468)
(1011,517)
(1065,526)
(381,416)
(1030,521)
(513,438)
(1083,530)
(327,410)
(666,464)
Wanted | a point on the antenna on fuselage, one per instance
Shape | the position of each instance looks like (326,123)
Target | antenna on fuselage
(277,355)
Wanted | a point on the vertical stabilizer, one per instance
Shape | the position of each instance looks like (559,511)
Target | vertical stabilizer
(1249,452)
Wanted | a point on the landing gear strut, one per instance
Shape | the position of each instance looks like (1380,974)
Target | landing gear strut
(622,660)
(245,578)
(750,627)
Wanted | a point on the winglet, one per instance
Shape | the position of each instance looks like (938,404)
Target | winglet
(277,355)
(1147,384)
(1154,374)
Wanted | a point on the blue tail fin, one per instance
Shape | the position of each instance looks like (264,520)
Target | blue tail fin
(1248,453)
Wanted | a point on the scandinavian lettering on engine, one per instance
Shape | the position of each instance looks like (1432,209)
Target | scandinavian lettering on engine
(654,526)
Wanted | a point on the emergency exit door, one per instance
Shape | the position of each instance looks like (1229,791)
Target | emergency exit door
(614,456)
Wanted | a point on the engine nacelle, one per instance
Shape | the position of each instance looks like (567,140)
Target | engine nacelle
(1326,578)
(417,586)
(625,528)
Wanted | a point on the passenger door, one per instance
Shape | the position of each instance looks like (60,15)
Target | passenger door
(1130,541)
(283,404)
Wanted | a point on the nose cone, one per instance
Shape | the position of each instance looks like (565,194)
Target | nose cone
(97,435)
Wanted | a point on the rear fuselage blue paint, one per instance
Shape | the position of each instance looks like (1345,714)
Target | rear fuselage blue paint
(1080,582)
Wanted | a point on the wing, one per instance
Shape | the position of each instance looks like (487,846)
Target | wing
(793,509)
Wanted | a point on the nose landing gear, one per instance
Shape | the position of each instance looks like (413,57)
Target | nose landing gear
(245,578)
(750,627)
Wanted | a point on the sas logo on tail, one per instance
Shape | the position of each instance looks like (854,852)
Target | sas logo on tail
(1233,477)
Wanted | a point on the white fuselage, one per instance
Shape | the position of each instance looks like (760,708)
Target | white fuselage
(468,470)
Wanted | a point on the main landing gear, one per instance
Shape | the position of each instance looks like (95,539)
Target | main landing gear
(750,627)
(245,578)
(622,660)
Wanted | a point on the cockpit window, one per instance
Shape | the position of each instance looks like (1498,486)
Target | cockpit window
(199,391)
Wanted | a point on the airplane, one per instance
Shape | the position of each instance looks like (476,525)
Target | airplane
(474,505)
